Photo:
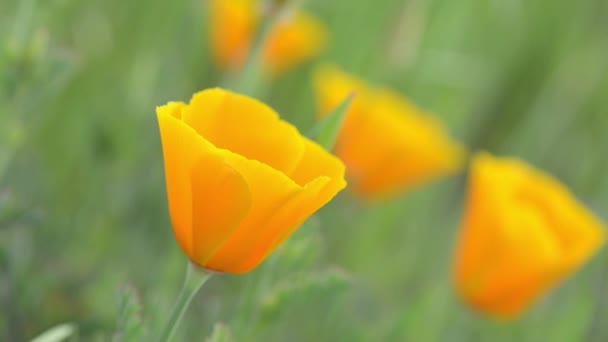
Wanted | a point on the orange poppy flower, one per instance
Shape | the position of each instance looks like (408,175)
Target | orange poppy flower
(522,233)
(239,180)
(295,38)
(387,143)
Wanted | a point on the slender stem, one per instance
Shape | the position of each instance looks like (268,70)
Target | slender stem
(195,278)
(252,75)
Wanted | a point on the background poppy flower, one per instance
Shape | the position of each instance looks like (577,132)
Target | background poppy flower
(386,142)
(295,37)
(522,233)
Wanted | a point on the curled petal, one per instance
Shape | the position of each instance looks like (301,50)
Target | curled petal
(207,197)
(180,154)
(245,126)
(285,220)
(221,199)
(321,174)
(316,162)
(270,189)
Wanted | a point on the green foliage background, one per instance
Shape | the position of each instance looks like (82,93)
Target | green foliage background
(84,229)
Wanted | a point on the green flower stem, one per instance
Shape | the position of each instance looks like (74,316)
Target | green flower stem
(195,278)
(252,76)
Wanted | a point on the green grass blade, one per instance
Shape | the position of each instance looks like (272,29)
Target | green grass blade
(57,333)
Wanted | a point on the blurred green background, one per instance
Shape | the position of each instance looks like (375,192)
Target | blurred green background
(84,228)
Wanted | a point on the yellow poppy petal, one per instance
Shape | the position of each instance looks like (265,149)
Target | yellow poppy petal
(245,126)
(386,142)
(518,247)
(232,24)
(412,147)
(220,201)
(577,230)
(179,155)
(285,221)
(522,233)
(409,167)
(322,176)
(525,262)
(294,39)
(207,197)
(270,190)
(317,162)
(263,233)
(513,297)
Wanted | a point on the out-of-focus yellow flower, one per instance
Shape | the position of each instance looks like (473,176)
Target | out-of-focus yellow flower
(295,38)
(522,233)
(239,180)
(386,142)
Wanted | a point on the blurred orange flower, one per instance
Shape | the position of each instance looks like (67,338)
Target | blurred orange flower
(387,143)
(239,180)
(522,233)
(294,39)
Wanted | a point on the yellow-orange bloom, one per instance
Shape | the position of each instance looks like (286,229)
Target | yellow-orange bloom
(387,143)
(522,233)
(295,38)
(239,180)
